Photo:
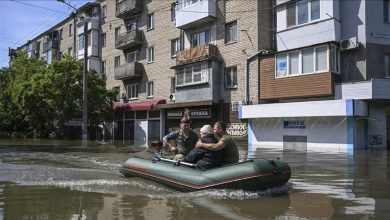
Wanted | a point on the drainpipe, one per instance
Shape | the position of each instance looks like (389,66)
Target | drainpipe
(247,62)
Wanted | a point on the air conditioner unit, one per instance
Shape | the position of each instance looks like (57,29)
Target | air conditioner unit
(236,105)
(348,44)
(172,97)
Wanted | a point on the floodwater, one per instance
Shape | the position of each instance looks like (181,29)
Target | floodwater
(46,179)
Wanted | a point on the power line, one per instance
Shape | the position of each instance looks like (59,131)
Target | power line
(37,6)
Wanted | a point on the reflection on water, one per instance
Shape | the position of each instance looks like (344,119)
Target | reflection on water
(46,179)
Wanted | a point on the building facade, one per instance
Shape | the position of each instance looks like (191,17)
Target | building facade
(170,57)
(327,84)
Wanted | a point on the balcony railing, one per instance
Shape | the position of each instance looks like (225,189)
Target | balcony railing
(127,40)
(128,71)
(202,52)
(50,44)
(128,8)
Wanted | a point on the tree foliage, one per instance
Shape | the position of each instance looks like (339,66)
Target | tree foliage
(36,99)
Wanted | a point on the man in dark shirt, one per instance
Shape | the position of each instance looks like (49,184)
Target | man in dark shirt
(226,144)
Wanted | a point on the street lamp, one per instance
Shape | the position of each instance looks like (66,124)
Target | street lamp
(84,126)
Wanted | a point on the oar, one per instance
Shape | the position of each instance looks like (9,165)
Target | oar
(178,162)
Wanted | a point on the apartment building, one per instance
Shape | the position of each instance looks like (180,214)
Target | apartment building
(66,37)
(170,57)
(327,85)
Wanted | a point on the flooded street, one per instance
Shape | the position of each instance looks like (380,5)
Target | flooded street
(47,179)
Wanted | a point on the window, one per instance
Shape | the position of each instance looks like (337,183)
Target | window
(150,54)
(117,61)
(47,55)
(294,63)
(302,12)
(281,65)
(104,40)
(132,91)
(387,65)
(231,32)
(103,70)
(149,89)
(70,30)
(321,59)
(308,60)
(335,59)
(104,11)
(81,41)
(186,3)
(200,38)
(175,47)
(193,74)
(150,24)
(70,51)
(60,33)
(386,11)
(231,77)
(132,25)
(173,12)
(132,57)
(173,85)
(117,31)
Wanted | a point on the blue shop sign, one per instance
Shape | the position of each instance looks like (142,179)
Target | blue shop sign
(294,124)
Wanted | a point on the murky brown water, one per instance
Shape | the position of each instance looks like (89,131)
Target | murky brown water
(41,179)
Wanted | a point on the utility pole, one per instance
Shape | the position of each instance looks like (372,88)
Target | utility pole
(84,127)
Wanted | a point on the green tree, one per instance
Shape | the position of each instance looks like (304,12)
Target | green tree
(39,99)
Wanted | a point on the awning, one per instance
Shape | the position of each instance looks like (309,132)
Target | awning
(140,105)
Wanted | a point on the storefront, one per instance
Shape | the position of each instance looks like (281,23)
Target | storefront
(137,123)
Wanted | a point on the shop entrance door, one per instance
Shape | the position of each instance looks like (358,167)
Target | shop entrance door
(141,133)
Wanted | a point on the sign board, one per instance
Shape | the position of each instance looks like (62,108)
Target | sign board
(194,113)
(294,124)
(237,129)
(375,139)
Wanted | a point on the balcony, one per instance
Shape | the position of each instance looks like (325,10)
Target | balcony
(195,14)
(127,40)
(11,52)
(199,53)
(128,71)
(50,44)
(128,8)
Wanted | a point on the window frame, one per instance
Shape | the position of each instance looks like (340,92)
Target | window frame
(149,89)
(104,11)
(232,72)
(130,95)
(286,56)
(387,65)
(103,67)
(104,39)
(294,8)
(117,61)
(117,31)
(150,22)
(150,54)
(198,37)
(386,11)
(181,74)
(231,35)
(135,53)
(175,46)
